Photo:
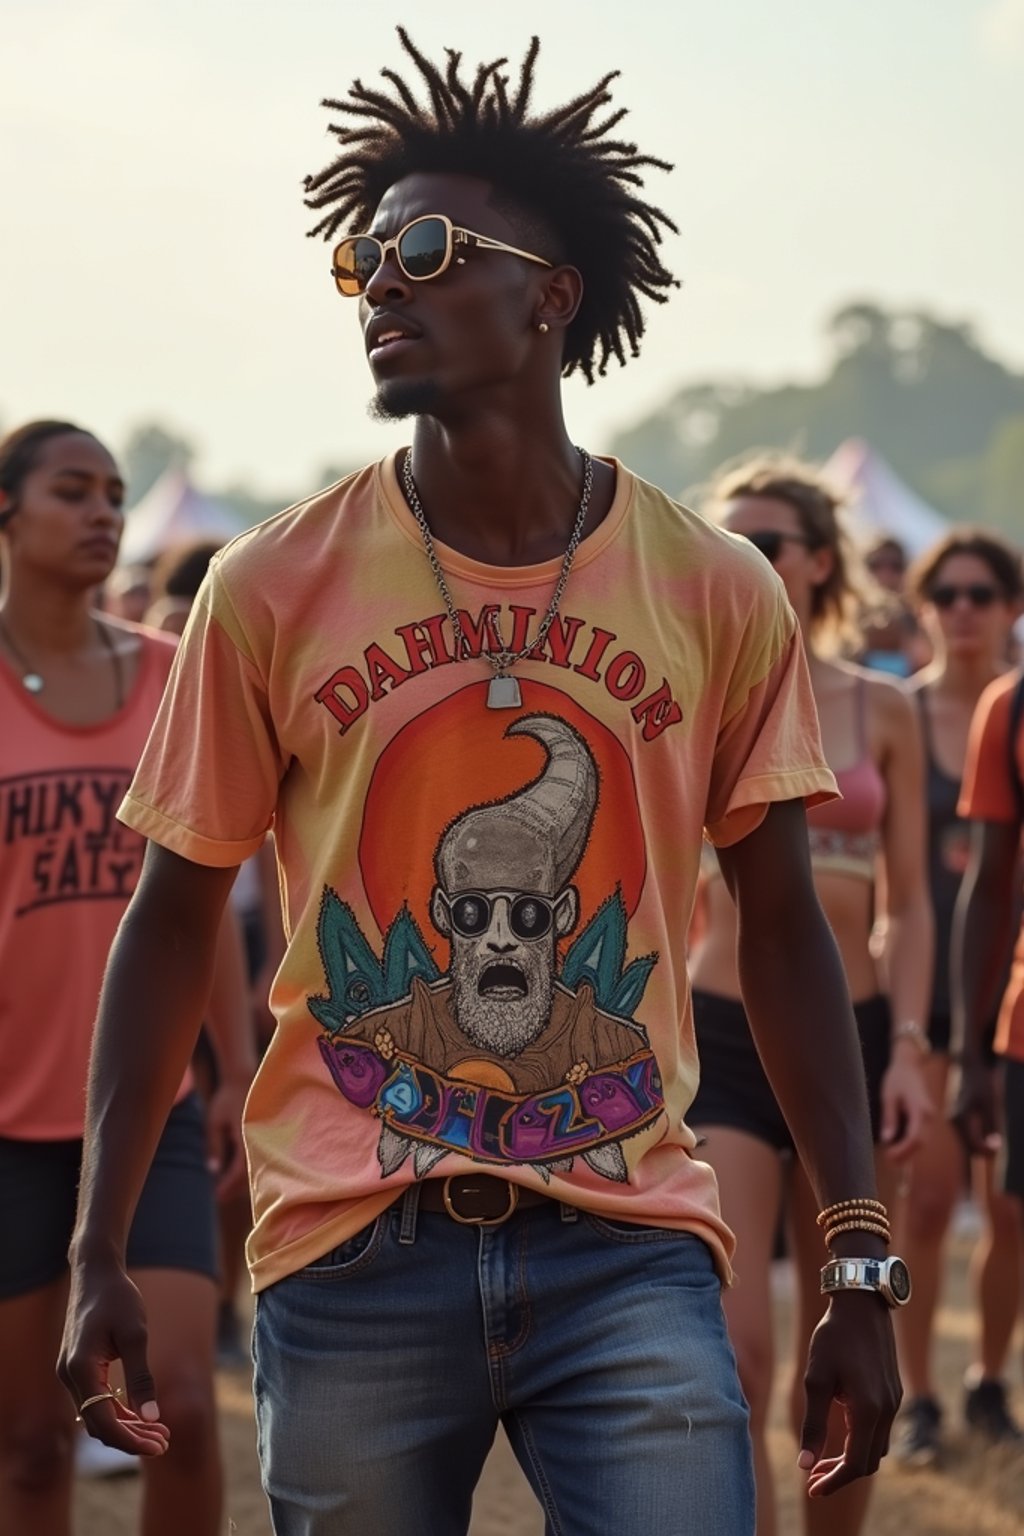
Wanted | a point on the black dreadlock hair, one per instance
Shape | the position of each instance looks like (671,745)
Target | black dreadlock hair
(561,167)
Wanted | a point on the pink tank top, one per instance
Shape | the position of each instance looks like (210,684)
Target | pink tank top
(67,871)
(845,834)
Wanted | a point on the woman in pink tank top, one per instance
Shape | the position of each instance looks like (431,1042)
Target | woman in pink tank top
(870,842)
(78,693)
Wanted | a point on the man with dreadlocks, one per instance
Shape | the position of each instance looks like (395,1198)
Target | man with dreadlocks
(490,693)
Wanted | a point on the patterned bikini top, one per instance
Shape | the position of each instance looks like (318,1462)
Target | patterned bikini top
(845,835)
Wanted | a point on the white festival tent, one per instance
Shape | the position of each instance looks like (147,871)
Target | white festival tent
(174,512)
(880,502)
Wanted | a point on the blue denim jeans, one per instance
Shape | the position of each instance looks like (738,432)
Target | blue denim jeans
(383,1370)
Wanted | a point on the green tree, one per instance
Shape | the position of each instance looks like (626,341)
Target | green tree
(1004,478)
(923,391)
(150,450)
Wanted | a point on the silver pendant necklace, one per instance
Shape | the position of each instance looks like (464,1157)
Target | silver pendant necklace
(503,689)
(33,681)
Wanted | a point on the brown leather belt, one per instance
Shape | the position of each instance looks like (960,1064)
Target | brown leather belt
(477,1199)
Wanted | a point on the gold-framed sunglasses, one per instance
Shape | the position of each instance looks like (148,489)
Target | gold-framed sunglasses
(424,248)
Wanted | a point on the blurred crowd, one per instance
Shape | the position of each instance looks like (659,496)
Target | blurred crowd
(903,645)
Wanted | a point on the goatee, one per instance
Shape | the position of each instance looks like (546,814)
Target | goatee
(397,398)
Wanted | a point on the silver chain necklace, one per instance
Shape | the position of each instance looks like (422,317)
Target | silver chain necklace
(33,681)
(503,689)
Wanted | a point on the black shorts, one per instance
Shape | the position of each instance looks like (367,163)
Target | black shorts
(175,1225)
(734,1089)
(1013,1127)
(940,1031)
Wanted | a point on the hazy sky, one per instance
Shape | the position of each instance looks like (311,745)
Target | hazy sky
(153,261)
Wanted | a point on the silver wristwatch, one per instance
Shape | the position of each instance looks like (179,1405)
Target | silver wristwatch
(890,1278)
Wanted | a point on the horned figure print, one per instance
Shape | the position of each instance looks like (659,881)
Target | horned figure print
(504,1058)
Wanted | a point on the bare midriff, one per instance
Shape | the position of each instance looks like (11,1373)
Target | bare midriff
(848,904)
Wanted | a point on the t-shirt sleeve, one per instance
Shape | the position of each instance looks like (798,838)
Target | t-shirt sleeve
(207,784)
(987,792)
(769,746)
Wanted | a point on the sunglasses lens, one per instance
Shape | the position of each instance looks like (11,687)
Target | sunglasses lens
(530,919)
(767,541)
(470,915)
(355,262)
(424,247)
(528,916)
(978,596)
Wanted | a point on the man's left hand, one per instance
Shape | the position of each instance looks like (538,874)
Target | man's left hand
(852,1361)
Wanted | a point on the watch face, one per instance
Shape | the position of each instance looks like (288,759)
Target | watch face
(899,1280)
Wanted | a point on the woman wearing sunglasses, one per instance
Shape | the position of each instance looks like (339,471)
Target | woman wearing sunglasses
(967,589)
(876,832)
(78,693)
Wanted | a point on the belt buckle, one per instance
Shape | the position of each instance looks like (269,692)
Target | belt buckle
(478,1221)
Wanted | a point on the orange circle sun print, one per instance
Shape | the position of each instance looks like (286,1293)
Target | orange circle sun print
(459,755)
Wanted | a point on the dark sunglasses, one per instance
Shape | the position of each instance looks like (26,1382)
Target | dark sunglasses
(769,541)
(977,593)
(529,917)
(423,249)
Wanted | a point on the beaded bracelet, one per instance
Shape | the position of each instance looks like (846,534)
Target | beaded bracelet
(874,1227)
(855,1212)
(860,1221)
(841,1208)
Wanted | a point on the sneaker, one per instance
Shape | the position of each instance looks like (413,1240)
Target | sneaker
(919,1441)
(987,1411)
(94,1459)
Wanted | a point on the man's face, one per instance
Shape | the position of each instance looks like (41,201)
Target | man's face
(466,334)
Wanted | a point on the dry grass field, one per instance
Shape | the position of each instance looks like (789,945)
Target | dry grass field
(980,1491)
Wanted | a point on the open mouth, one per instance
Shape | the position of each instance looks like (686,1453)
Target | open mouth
(502,981)
(387,338)
(391,341)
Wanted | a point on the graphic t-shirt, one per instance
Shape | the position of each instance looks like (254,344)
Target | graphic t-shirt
(67,870)
(989,795)
(486,908)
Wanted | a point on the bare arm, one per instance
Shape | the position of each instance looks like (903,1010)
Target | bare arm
(796,998)
(155,991)
(982,937)
(909,927)
(229,1022)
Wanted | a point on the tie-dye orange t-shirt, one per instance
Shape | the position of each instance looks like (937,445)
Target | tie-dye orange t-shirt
(486,908)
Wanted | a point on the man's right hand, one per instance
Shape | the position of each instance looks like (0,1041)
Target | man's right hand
(973,1109)
(106,1321)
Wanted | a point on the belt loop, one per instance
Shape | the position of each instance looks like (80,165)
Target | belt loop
(410,1210)
(568,1213)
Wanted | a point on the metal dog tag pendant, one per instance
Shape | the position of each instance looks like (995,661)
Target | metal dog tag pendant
(503,692)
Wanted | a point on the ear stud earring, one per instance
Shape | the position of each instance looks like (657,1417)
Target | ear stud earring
(543,327)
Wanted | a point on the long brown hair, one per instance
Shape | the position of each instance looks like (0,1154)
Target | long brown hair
(835,602)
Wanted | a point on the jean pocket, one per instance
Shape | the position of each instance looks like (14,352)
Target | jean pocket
(351,1256)
(633,1232)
